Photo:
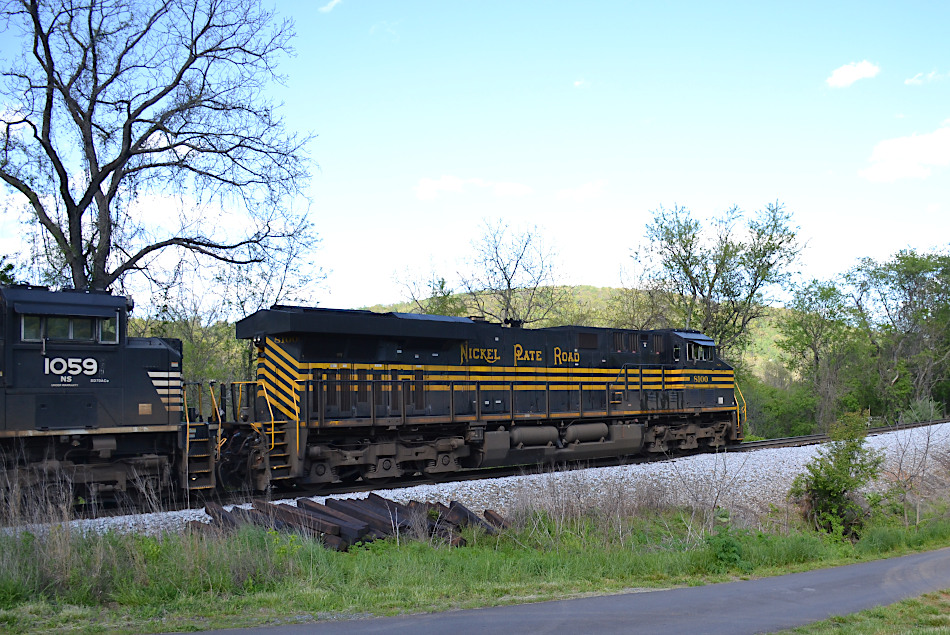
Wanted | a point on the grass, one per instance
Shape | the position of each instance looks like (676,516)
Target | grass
(570,538)
(929,613)
(127,583)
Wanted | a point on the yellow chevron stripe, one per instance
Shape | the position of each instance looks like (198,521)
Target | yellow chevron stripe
(279,357)
(276,380)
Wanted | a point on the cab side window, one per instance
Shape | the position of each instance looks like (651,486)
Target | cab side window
(698,352)
(35,328)
(109,330)
(57,328)
(32,328)
(83,328)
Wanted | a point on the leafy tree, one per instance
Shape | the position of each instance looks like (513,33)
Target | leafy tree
(777,411)
(817,338)
(578,307)
(116,104)
(903,310)
(7,271)
(828,490)
(716,279)
(512,278)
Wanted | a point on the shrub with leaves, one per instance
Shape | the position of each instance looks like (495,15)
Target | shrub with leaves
(829,489)
(921,411)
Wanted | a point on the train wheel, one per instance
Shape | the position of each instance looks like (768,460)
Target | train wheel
(349,474)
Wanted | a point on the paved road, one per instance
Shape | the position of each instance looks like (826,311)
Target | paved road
(753,606)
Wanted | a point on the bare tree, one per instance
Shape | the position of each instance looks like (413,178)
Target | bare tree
(910,470)
(512,277)
(433,295)
(117,104)
(199,302)
(640,303)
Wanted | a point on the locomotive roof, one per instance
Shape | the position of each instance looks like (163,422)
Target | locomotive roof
(695,336)
(298,319)
(42,301)
(282,319)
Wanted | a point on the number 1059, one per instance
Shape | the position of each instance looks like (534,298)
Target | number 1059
(71,366)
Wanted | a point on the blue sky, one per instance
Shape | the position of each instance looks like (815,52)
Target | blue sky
(581,118)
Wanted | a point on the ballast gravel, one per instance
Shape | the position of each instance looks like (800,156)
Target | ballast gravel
(752,482)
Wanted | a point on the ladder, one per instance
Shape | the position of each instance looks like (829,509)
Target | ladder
(281,443)
(197,464)
(199,446)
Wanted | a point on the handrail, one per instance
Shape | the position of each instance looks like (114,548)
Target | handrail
(742,415)
(219,441)
(584,398)
(184,392)
(297,416)
(273,421)
(626,376)
(214,402)
(259,426)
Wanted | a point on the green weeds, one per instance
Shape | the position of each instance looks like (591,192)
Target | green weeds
(569,538)
(142,583)
(928,614)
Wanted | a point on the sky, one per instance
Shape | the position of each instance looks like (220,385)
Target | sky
(581,118)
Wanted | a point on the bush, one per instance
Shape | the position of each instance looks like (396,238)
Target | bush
(922,410)
(727,549)
(828,490)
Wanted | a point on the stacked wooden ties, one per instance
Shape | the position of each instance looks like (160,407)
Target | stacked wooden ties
(341,523)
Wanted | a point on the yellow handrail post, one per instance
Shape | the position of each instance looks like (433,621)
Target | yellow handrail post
(741,412)
(217,416)
(184,390)
(273,422)
(297,421)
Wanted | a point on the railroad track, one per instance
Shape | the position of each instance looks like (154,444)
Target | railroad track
(814,439)
(243,497)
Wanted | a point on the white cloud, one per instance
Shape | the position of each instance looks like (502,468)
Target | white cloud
(921,78)
(328,7)
(850,73)
(385,30)
(912,157)
(585,192)
(581,83)
(428,189)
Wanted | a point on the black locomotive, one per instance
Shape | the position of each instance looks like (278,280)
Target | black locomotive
(342,395)
(81,398)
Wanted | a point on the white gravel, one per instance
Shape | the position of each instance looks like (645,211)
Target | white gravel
(750,481)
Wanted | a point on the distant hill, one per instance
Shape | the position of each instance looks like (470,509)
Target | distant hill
(591,306)
(597,298)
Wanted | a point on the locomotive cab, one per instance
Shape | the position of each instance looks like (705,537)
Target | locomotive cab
(79,396)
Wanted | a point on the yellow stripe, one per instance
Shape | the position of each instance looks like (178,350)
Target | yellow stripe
(283,401)
(494,371)
(280,357)
(279,372)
